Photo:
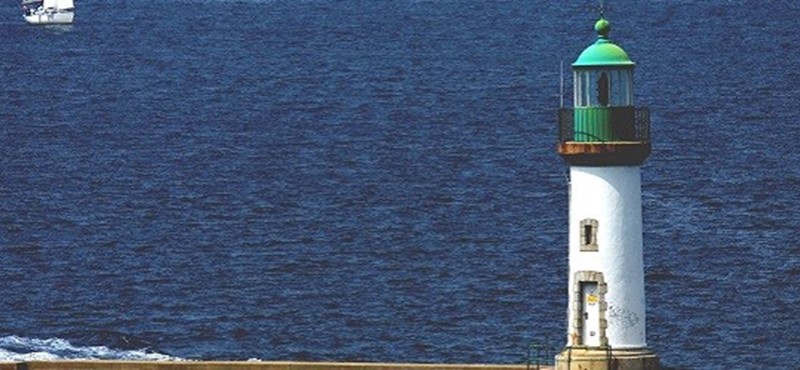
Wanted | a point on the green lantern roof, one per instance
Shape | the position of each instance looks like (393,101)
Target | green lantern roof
(603,52)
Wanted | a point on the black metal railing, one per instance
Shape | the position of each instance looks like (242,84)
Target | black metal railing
(627,124)
(540,354)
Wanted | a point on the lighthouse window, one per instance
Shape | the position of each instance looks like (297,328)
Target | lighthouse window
(621,87)
(583,88)
(602,89)
(611,87)
(588,235)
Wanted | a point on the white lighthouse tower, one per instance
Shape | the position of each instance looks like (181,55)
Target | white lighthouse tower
(605,139)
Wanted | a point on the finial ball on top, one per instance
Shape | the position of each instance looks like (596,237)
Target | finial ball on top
(603,27)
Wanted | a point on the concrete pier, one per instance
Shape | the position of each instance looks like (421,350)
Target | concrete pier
(205,365)
(587,358)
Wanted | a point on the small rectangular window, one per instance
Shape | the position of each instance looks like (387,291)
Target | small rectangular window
(588,230)
(587,234)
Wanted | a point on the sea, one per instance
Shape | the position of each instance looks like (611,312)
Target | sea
(377,180)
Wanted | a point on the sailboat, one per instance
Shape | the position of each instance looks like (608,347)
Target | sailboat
(48,11)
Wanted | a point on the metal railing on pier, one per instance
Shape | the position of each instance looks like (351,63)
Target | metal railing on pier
(540,355)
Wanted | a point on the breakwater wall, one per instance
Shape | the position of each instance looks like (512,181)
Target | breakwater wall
(203,365)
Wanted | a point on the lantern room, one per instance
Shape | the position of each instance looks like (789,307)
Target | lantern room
(603,73)
(604,127)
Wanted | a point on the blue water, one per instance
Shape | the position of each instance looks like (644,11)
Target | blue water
(377,181)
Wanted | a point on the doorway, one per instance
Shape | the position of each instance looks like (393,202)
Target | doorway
(590,313)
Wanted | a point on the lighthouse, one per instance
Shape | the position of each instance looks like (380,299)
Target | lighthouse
(605,139)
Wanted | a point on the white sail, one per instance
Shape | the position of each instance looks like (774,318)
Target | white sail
(26,2)
(65,4)
(49,4)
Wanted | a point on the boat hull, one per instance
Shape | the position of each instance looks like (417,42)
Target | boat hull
(50,18)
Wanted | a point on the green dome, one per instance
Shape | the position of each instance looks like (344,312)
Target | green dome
(603,52)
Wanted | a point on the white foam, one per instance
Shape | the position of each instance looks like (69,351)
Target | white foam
(14,348)
(8,356)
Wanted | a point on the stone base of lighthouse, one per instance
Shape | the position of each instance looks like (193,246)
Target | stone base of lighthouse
(594,358)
